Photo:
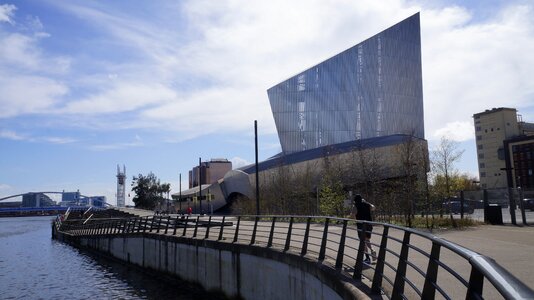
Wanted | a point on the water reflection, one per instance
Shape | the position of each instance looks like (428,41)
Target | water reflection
(33,266)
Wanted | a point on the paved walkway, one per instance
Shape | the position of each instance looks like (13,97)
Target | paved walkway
(510,246)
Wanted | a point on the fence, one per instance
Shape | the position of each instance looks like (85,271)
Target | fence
(409,264)
(516,204)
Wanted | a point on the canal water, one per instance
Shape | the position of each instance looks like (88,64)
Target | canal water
(33,266)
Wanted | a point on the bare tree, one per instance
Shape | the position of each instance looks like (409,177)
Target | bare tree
(444,157)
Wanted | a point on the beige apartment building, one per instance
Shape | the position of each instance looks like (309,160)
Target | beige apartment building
(492,128)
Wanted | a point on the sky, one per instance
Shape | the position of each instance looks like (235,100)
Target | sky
(155,85)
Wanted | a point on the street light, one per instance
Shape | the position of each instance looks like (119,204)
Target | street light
(510,195)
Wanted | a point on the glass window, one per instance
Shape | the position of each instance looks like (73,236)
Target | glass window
(479,137)
(500,153)
(482,165)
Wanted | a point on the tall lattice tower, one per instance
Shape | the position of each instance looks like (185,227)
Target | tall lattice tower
(121,186)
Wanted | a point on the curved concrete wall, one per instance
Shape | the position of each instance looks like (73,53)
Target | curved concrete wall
(236,270)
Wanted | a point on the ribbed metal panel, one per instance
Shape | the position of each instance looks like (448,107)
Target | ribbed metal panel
(372,89)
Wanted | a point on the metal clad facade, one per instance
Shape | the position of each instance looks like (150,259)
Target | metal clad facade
(372,89)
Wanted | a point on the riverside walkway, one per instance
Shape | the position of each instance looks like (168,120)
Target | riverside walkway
(410,264)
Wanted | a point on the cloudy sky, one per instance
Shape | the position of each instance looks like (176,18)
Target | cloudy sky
(154,85)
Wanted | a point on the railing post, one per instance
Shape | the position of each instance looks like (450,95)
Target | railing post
(486,205)
(185,225)
(398,287)
(289,231)
(324,240)
(152,223)
(306,236)
(358,267)
(168,222)
(476,283)
(175,225)
(196,227)
(128,226)
(270,241)
(429,289)
(379,269)
(159,223)
(236,234)
(124,228)
(143,223)
(341,249)
(253,239)
(208,228)
(221,231)
(139,222)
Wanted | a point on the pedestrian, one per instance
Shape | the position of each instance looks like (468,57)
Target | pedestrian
(361,211)
(189,210)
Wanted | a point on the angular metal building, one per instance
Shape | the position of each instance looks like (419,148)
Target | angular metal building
(371,90)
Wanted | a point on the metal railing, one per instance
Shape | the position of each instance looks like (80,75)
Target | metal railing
(409,264)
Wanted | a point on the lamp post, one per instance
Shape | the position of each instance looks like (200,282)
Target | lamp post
(257,171)
(180,195)
(510,194)
(521,204)
(200,183)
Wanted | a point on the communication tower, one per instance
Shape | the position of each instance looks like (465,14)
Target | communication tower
(121,186)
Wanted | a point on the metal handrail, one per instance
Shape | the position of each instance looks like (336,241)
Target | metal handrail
(333,241)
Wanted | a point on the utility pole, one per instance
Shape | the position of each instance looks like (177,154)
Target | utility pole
(180,195)
(257,170)
(511,199)
(200,183)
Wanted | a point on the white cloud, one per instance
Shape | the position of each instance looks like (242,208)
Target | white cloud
(213,75)
(238,162)
(137,142)
(456,131)
(470,67)
(121,97)
(11,135)
(7,12)
(4,186)
(58,140)
(28,94)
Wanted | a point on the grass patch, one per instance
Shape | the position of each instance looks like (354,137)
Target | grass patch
(437,222)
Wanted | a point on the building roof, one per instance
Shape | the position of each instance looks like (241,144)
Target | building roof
(192,191)
(494,110)
(280,159)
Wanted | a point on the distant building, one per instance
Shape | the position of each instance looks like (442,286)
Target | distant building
(96,201)
(211,171)
(502,140)
(36,200)
(519,156)
(70,198)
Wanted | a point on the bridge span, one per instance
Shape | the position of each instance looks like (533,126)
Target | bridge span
(297,257)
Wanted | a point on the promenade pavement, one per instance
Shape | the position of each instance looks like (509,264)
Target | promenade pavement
(510,246)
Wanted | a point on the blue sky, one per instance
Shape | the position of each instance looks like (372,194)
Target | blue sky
(154,85)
